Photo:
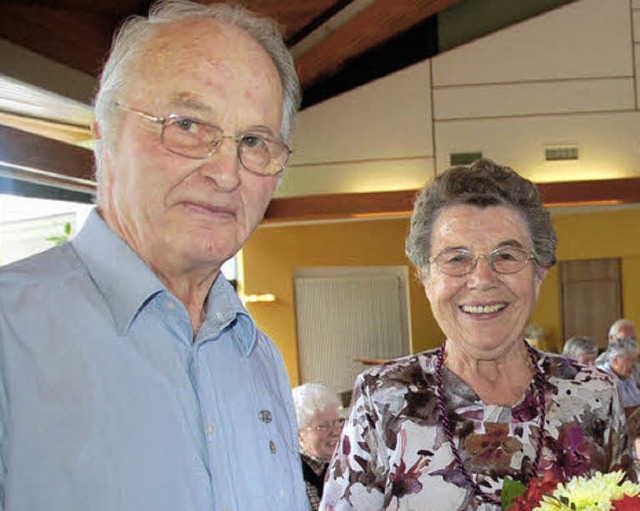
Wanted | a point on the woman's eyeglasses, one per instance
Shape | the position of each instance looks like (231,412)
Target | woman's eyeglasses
(323,427)
(458,262)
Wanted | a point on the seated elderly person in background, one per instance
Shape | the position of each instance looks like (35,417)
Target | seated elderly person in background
(318,431)
(442,429)
(621,328)
(582,349)
(621,361)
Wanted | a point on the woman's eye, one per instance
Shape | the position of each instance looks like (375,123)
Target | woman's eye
(458,258)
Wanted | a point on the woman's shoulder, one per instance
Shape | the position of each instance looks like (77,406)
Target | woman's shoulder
(413,371)
(559,368)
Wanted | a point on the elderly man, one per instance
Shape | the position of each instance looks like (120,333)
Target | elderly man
(620,329)
(621,362)
(132,376)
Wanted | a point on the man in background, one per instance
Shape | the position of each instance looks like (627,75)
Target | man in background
(132,377)
(620,329)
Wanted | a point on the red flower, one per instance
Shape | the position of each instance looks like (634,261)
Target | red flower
(627,503)
(538,486)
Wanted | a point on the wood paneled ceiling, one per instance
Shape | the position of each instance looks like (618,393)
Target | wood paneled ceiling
(325,35)
(337,44)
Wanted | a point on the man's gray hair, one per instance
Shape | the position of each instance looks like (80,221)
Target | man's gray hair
(619,325)
(311,398)
(131,40)
(578,346)
(622,347)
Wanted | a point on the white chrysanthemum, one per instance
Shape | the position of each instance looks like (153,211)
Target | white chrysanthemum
(589,494)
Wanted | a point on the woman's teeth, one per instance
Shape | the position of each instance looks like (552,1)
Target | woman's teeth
(483,309)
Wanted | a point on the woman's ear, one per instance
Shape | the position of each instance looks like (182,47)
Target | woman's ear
(95,130)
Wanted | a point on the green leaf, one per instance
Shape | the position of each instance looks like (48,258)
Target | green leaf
(511,490)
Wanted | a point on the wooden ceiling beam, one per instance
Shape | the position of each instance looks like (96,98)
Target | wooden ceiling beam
(400,203)
(374,25)
(35,158)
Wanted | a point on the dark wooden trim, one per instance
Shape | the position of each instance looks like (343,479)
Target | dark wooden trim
(603,191)
(28,151)
(399,203)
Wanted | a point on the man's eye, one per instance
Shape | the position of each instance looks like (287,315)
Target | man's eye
(186,124)
(253,141)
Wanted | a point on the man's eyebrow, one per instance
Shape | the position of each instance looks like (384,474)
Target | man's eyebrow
(188,101)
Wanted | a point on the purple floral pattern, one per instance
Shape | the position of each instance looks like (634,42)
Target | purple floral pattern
(393,453)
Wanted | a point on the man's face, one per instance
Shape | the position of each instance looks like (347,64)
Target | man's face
(181,214)
(623,366)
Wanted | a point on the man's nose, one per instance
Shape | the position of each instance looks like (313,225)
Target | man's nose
(223,165)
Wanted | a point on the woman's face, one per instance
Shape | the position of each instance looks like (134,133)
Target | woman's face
(483,313)
(320,437)
(587,358)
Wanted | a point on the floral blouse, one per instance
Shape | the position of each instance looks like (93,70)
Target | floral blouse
(393,453)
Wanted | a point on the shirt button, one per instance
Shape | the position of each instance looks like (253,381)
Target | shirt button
(170,305)
(209,430)
(272,446)
(265,416)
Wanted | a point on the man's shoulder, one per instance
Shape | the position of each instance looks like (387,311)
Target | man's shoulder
(40,269)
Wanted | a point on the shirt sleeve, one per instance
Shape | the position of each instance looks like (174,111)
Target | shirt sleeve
(357,473)
(620,442)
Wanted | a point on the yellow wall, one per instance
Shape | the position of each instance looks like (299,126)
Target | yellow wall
(273,253)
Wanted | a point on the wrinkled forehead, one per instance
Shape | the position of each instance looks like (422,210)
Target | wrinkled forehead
(204,48)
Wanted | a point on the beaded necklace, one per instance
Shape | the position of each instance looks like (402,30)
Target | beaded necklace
(539,386)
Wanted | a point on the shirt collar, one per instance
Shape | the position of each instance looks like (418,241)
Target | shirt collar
(127,284)
(124,280)
(224,309)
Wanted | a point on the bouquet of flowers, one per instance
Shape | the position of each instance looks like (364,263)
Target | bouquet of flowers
(601,492)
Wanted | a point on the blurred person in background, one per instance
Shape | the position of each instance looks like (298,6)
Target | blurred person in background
(319,425)
(621,361)
(582,349)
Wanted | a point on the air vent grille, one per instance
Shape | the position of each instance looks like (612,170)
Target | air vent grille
(559,153)
(464,158)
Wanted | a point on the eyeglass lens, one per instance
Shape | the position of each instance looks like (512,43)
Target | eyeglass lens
(196,139)
(326,426)
(461,262)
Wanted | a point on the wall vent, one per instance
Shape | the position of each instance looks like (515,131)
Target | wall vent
(559,153)
(464,158)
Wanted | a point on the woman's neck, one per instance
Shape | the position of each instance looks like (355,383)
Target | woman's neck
(502,381)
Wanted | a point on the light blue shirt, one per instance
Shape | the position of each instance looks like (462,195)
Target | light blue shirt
(107,403)
(627,388)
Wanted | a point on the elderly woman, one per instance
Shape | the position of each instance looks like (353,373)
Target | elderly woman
(582,349)
(318,431)
(441,430)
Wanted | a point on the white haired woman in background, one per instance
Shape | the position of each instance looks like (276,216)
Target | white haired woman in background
(582,349)
(319,428)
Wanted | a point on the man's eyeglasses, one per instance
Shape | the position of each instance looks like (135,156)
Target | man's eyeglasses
(323,427)
(197,139)
(458,262)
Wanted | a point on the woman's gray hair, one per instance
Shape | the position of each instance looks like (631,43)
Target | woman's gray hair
(131,40)
(311,398)
(622,347)
(482,184)
(578,346)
